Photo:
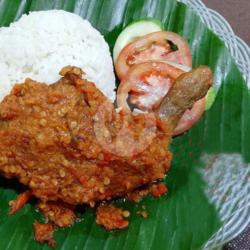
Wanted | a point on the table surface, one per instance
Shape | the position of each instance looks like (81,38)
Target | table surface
(237,13)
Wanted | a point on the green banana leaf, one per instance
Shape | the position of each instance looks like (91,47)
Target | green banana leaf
(185,218)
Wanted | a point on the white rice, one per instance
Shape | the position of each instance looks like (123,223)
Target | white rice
(41,43)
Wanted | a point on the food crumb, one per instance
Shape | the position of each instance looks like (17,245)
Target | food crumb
(92,204)
(143,213)
(60,214)
(157,190)
(112,217)
(126,213)
(19,202)
(44,233)
(137,195)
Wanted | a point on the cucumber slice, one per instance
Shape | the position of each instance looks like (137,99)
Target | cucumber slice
(210,97)
(134,30)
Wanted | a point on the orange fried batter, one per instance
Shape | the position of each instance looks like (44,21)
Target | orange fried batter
(44,233)
(66,142)
(111,217)
(59,213)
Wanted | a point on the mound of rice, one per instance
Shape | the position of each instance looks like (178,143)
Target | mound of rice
(41,43)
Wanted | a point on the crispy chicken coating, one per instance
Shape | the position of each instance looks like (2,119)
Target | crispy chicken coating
(67,142)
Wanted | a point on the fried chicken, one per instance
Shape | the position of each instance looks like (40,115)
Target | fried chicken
(68,144)
(188,88)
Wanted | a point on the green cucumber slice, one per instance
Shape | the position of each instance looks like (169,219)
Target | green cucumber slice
(134,30)
(210,97)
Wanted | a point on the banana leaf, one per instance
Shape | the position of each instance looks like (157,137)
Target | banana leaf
(186,218)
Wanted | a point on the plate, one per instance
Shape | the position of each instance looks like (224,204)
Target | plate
(209,183)
(236,219)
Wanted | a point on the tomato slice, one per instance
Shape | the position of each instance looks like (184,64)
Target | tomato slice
(154,46)
(190,117)
(146,84)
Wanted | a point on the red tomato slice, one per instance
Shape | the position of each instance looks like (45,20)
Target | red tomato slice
(154,46)
(190,117)
(146,84)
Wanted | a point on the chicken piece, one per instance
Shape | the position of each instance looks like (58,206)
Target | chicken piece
(156,190)
(67,142)
(44,233)
(188,88)
(51,139)
(19,202)
(112,217)
(62,215)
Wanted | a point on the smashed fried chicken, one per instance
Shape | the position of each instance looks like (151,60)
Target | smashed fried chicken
(68,144)
(48,141)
